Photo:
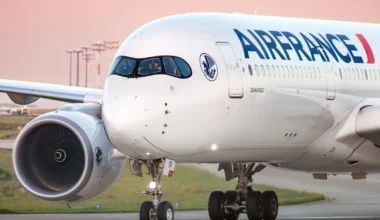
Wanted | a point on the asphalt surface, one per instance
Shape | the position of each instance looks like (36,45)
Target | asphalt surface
(347,199)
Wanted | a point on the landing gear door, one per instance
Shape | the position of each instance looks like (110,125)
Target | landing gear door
(235,89)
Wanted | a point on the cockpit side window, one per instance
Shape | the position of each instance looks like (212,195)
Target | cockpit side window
(126,67)
(150,66)
(185,69)
(170,67)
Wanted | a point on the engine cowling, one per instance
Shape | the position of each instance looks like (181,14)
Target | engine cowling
(65,156)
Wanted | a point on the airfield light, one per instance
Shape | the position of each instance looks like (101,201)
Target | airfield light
(214,147)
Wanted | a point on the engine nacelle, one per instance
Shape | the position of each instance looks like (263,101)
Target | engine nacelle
(66,156)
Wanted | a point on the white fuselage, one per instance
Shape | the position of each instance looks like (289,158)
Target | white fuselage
(276,104)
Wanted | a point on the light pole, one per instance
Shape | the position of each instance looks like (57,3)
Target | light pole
(71,53)
(110,45)
(77,52)
(87,59)
(98,47)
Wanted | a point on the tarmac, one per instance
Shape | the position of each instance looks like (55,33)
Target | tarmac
(346,198)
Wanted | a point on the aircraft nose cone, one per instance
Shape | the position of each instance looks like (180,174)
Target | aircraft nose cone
(124,116)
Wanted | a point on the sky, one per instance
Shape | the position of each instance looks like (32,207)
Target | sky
(35,34)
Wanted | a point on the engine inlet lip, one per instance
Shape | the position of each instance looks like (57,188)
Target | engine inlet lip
(88,157)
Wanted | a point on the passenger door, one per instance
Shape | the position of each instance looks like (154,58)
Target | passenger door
(327,68)
(330,82)
(235,89)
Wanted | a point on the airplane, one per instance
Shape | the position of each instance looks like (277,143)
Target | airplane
(244,91)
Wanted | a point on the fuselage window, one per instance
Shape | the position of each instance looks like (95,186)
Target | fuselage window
(296,72)
(170,67)
(257,70)
(305,72)
(282,71)
(278,71)
(353,74)
(268,70)
(365,74)
(185,69)
(150,66)
(340,73)
(374,75)
(273,71)
(291,71)
(349,74)
(262,70)
(250,70)
(318,72)
(287,71)
(126,67)
(357,74)
(300,71)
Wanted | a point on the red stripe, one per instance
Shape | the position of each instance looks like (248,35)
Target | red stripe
(367,48)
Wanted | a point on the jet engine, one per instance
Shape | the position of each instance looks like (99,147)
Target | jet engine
(65,156)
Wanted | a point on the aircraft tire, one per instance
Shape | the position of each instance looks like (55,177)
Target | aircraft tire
(146,209)
(270,202)
(215,206)
(254,205)
(165,211)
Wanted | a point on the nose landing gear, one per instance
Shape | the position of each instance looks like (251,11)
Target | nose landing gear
(158,209)
(229,205)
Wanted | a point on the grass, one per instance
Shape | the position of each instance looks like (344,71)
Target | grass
(190,187)
(9,124)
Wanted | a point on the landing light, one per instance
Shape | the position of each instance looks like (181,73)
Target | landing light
(152,185)
(214,147)
(148,153)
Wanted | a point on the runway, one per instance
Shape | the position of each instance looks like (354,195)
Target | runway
(348,199)
(324,210)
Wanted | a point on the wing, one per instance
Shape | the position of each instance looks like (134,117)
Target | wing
(23,93)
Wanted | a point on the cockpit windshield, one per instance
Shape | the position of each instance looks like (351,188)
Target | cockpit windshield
(126,67)
(168,65)
(150,66)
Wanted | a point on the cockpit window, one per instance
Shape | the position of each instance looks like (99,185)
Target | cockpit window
(170,67)
(126,67)
(150,66)
(141,67)
(185,69)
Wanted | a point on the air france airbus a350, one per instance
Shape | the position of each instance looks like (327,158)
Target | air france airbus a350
(243,91)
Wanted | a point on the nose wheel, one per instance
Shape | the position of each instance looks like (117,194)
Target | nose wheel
(158,209)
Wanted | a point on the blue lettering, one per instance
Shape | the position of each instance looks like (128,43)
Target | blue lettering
(350,49)
(312,48)
(296,45)
(285,46)
(331,38)
(326,46)
(260,44)
(271,44)
(247,45)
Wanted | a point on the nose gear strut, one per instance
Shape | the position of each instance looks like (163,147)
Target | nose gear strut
(158,209)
